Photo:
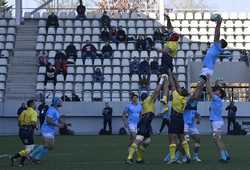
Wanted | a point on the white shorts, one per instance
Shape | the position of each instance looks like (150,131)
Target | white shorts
(206,71)
(48,135)
(191,129)
(132,128)
(217,126)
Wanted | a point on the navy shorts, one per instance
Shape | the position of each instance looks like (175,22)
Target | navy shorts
(166,64)
(144,125)
(26,134)
(176,125)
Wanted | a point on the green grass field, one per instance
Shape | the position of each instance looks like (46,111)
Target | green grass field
(109,153)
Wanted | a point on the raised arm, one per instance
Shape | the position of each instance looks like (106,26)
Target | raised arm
(158,88)
(169,24)
(165,88)
(173,82)
(217,31)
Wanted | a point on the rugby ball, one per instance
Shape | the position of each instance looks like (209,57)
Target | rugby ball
(215,17)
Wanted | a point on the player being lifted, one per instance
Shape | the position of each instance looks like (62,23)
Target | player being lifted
(176,127)
(142,139)
(131,116)
(216,108)
(212,54)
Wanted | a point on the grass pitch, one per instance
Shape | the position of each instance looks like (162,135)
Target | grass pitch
(109,153)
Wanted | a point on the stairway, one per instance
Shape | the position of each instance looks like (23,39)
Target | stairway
(21,81)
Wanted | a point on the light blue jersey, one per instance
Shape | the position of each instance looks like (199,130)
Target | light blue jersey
(55,116)
(190,111)
(211,56)
(133,111)
(216,108)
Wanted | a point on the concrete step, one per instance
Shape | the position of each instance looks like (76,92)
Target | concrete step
(20,96)
(24,53)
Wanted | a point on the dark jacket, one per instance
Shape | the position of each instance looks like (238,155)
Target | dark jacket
(107,48)
(81,10)
(71,50)
(231,110)
(52,21)
(107,112)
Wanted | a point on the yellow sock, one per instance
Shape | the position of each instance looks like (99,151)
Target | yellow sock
(140,151)
(172,149)
(23,152)
(132,150)
(185,146)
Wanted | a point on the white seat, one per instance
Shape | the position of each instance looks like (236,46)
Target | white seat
(116,77)
(130,46)
(50,38)
(106,86)
(121,46)
(78,87)
(116,62)
(2,78)
(189,15)
(131,23)
(95,23)
(97,62)
(114,23)
(85,38)
(125,62)
(125,86)
(87,96)
(194,46)
(233,15)
(58,46)
(97,86)
(48,46)
(106,62)
(131,31)
(96,31)
(149,31)
(185,46)
(207,15)
(60,31)
(87,86)
(50,86)
(78,31)
(117,70)
(68,38)
(125,70)
(242,15)
(116,86)
(181,77)
(135,78)
(12,22)
(134,86)
(135,54)
(40,86)
(68,23)
(149,23)
(152,85)
(79,70)
(225,15)
(79,78)
(140,31)
(59,78)
(107,70)
(95,38)
(70,78)
(139,23)
(51,30)
(11,30)
(106,96)
(125,78)
(77,38)
(87,31)
(180,16)
(68,86)
(86,23)
(70,70)
(115,96)
(69,31)
(9,46)
(77,23)
(89,70)
(122,23)
(153,77)
(198,15)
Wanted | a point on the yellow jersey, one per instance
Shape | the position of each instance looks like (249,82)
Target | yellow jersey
(173,47)
(148,105)
(28,117)
(179,102)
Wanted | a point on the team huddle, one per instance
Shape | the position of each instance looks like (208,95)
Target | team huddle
(183,115)
(179,108)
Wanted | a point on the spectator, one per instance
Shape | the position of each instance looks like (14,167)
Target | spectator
(98,75)
(107,117)
(113,34)
(65,98)
(154,67)
(88,50)
(105,35)
(158,35)
(50,74)
(75,98)
(144,82)
(148,43)
(165,33)
(144,68)
(134,67)
(121,35)
(80,11)
(231,116)
(107,50)
(42,108)
(61,64)
(71,51)
(105,20)
(43,58)
(21,109)
(52,21)
(60,56)
(140,43)
(244,57)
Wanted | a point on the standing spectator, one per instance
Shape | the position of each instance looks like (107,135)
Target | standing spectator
(50,74)
(71,51)
(107,117)
(42,108)
(113,35)
(231,116)
(21,109)
(80,11)
(158,35)
(52,21)
(244,57)
(105,35)
(148,43)
(144,69)
(98,75)
(140,43)
(154,67)
(75,98)
(65,98)
(88,50)
(105,20)
(121,35)
(107,50)
(134,67)
(43,58)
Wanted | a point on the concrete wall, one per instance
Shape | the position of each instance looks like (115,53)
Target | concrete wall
(86,118)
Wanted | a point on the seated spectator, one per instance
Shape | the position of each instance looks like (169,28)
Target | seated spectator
(61,64)
(140,43)
(50,74)
(105,35)
(71,51)
(80,11)
(154,66)
(88,50)
(52,21)
(158,35)
(98,75)
(148,43)
(105,20)
(65,98)
(107,50)
(43,58)
(144,68)
(144,83)
(60,55)
(134,67)
(121,35)
(75,98)
(113,34)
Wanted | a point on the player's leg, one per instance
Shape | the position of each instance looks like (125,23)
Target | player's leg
(142,147)
(134,147)
(195,136)
(163,124)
